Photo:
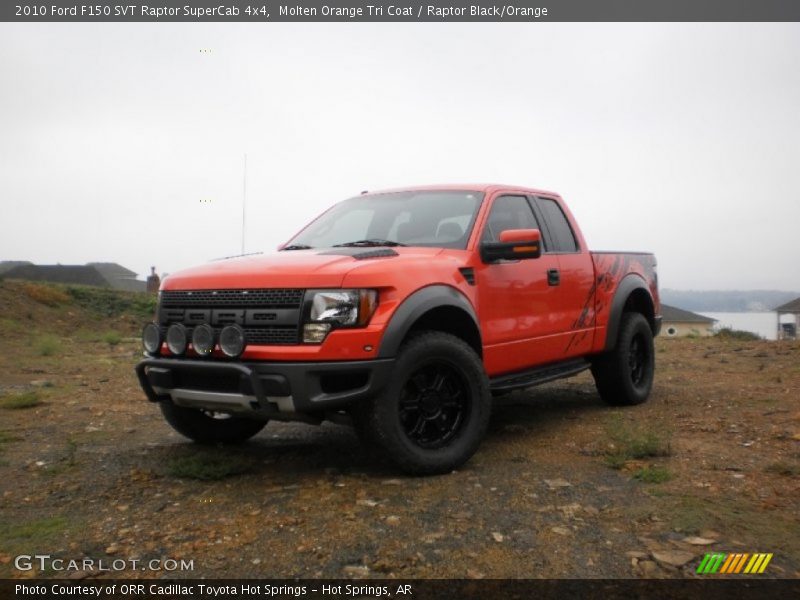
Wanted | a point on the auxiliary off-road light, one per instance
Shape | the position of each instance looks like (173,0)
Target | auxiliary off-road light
(151,338)
(231,341)
(176,339)
(315,333)
(203,340)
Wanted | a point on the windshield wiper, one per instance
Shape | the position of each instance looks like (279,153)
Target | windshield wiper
(297,247)
(370,242)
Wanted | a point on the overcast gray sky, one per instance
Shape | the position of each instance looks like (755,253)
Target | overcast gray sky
(125,142)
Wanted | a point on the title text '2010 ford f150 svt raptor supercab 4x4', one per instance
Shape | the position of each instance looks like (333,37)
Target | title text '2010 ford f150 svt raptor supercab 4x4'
(404,311)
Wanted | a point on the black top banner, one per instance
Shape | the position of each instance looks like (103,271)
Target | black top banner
(533,11)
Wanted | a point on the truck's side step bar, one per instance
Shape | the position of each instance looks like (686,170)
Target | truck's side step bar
(538,375)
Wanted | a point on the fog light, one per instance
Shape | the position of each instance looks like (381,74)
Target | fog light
(176,339)
(231,340)
(151,338)
(203,340)
(315,333)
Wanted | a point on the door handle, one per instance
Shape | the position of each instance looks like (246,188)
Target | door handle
(553,277)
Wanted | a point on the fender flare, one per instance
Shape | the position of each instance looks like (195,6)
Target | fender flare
(626,287)
(416,305)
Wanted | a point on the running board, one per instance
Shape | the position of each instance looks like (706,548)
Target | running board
(538,375)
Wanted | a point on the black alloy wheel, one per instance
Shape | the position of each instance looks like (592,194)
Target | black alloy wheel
(434,405)
(433,412)
(637,360)
(624,375)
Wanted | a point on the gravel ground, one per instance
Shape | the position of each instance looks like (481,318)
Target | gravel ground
(563,485)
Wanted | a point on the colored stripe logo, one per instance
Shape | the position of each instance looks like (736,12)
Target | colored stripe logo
(733,564)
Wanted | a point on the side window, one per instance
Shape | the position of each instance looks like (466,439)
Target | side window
(508,212)
(560,231)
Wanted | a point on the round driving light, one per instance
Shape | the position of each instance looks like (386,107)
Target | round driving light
(151,338)
(231,340)
(203,340)
(176,338)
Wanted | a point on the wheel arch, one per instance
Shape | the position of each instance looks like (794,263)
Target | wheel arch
(436,308)
(632,295)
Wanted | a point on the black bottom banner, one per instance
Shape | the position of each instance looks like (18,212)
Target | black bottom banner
(312,589)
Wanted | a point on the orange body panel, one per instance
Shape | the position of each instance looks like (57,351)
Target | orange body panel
(523,320)
(611,268)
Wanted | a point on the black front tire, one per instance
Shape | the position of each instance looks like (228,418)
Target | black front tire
(206,428)
(624,375)
(434,411)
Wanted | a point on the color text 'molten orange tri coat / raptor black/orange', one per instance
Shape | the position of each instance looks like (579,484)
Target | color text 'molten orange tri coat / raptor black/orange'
(404,313)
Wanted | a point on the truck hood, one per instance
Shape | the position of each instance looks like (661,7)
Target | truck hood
(319,268)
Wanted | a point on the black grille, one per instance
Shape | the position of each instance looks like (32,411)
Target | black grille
(268,316)
(271,335)
(278,298)
(259,336)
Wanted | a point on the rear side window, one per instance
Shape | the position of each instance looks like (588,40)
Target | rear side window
(562,234)
(508,212)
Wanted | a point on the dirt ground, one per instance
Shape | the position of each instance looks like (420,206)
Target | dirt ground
(563,486)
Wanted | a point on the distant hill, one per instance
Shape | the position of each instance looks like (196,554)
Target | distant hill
(95,273)
(727,301)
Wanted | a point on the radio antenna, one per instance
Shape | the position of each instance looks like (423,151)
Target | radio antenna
(244,196)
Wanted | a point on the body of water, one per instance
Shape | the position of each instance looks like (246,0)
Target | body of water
(764,324)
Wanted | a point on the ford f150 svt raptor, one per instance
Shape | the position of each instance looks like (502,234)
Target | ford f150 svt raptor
(404,312)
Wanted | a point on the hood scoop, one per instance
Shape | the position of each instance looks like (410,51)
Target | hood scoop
(362,253)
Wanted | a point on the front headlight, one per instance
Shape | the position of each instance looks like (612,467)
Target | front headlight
(337,308)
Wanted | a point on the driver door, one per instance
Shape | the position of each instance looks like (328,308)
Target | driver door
(515,298)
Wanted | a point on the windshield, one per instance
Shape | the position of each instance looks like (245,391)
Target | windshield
(441,219)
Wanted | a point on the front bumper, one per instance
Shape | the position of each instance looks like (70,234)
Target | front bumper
(263,388)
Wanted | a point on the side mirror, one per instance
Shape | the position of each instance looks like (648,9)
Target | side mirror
(514,244)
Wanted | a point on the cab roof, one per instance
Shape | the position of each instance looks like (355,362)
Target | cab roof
(470,187)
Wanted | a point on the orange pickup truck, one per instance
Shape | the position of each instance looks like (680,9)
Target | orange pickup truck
(404,313)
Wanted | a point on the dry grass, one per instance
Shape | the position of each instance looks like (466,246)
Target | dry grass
(19,401)
(49,295)
(632,443)
(112,338)
(783,468)
(208,466)
(47,345)
(653,474)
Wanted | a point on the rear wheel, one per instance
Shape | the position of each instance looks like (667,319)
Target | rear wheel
(624,375)
(206,427)
(433,413)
